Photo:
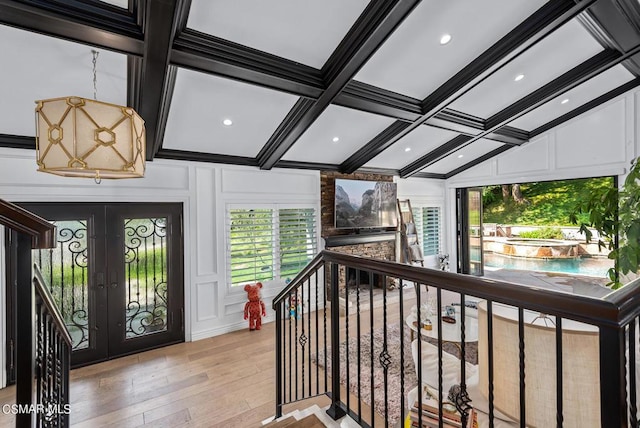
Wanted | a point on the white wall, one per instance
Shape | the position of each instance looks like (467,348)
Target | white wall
(426,192)
(601,142)
(205,190)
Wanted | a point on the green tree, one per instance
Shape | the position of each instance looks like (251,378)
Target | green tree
(614,214)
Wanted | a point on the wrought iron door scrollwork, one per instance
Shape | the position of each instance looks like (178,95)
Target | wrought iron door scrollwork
(145,276)
(64,269)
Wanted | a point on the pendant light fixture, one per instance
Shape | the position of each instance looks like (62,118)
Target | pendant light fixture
(79,137)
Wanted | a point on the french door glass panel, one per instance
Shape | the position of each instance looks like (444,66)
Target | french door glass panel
(65,271)
(116,275)
(474,215)
(145,249)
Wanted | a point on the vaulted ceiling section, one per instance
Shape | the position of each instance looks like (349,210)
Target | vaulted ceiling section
(330,85)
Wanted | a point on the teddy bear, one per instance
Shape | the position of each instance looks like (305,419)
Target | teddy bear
(254,309)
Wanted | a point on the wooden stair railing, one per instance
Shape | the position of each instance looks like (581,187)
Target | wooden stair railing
(311,326)
(50,406)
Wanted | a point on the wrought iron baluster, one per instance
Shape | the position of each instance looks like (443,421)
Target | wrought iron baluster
(317,337)
(490,360)
(559,412)
(296,353)
(633,394)
(371,320)
(358,327)
(303,341)
(324,329)
(346,324)
(385,358)
(523,401)
(309,331)
(402,325)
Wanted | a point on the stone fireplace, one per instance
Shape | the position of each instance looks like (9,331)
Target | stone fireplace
(378,244)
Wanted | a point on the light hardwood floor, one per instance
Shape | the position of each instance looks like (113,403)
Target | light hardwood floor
(223,381)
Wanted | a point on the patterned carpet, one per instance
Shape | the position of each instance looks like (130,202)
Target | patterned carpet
(394,379)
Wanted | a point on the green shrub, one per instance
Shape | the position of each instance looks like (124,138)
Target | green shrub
(544,233)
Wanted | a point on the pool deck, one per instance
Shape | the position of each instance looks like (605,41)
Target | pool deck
(575,284)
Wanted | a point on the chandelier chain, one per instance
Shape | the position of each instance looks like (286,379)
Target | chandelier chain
(95,76)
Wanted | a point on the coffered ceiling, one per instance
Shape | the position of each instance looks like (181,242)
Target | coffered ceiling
(331,85)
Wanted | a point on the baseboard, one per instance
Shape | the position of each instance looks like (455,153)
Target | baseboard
(227,328)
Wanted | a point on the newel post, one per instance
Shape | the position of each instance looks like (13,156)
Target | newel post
(335,410)
(25,337)
(613,404)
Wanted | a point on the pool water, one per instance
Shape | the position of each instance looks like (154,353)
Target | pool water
(579,266)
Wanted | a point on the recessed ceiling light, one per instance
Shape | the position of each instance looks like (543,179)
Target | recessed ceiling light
(566,100)
(519,77)
(227,122)
(336,139)
(460,156)
(446,38)
(408,149)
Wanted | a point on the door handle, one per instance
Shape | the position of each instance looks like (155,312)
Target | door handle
(100,280)
(114,285)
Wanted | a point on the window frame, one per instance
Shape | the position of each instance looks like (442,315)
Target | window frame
(277,280)
(420,207)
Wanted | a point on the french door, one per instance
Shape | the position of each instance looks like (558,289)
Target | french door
(470,251)
(116,276)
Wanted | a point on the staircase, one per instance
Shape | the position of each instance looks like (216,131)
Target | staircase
(311,417)
(43,348)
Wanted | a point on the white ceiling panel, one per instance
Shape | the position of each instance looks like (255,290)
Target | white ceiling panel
(303,31)
(412,61)
(576,97)
(352,128)
(120,3)
(561,51)
(421,141)
(36,67)
(463,156)
(202,102)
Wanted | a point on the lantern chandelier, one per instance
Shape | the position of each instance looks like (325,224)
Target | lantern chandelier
(78,137)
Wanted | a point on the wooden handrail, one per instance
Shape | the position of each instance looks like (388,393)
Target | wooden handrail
(614,310)
(310,268)
(42,232)
(47,299)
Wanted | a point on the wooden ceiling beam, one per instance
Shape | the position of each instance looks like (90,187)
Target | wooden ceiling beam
(435,155)
(17,142)
(209,54)
(100,25)
(586,107)
(374,25)
(369,98)
(155,79)
(543,22)
(186,155)
(373,148)
(572,78)
(477,161)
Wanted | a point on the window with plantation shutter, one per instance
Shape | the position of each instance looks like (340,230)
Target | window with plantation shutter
(427,221)
(297,239)
(269,243)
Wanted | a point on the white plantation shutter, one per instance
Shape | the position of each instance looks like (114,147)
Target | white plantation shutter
(431,231)
(250,245)
(269,243)
(427,221)
(298,241)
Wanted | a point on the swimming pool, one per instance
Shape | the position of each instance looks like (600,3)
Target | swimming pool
(579,266)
